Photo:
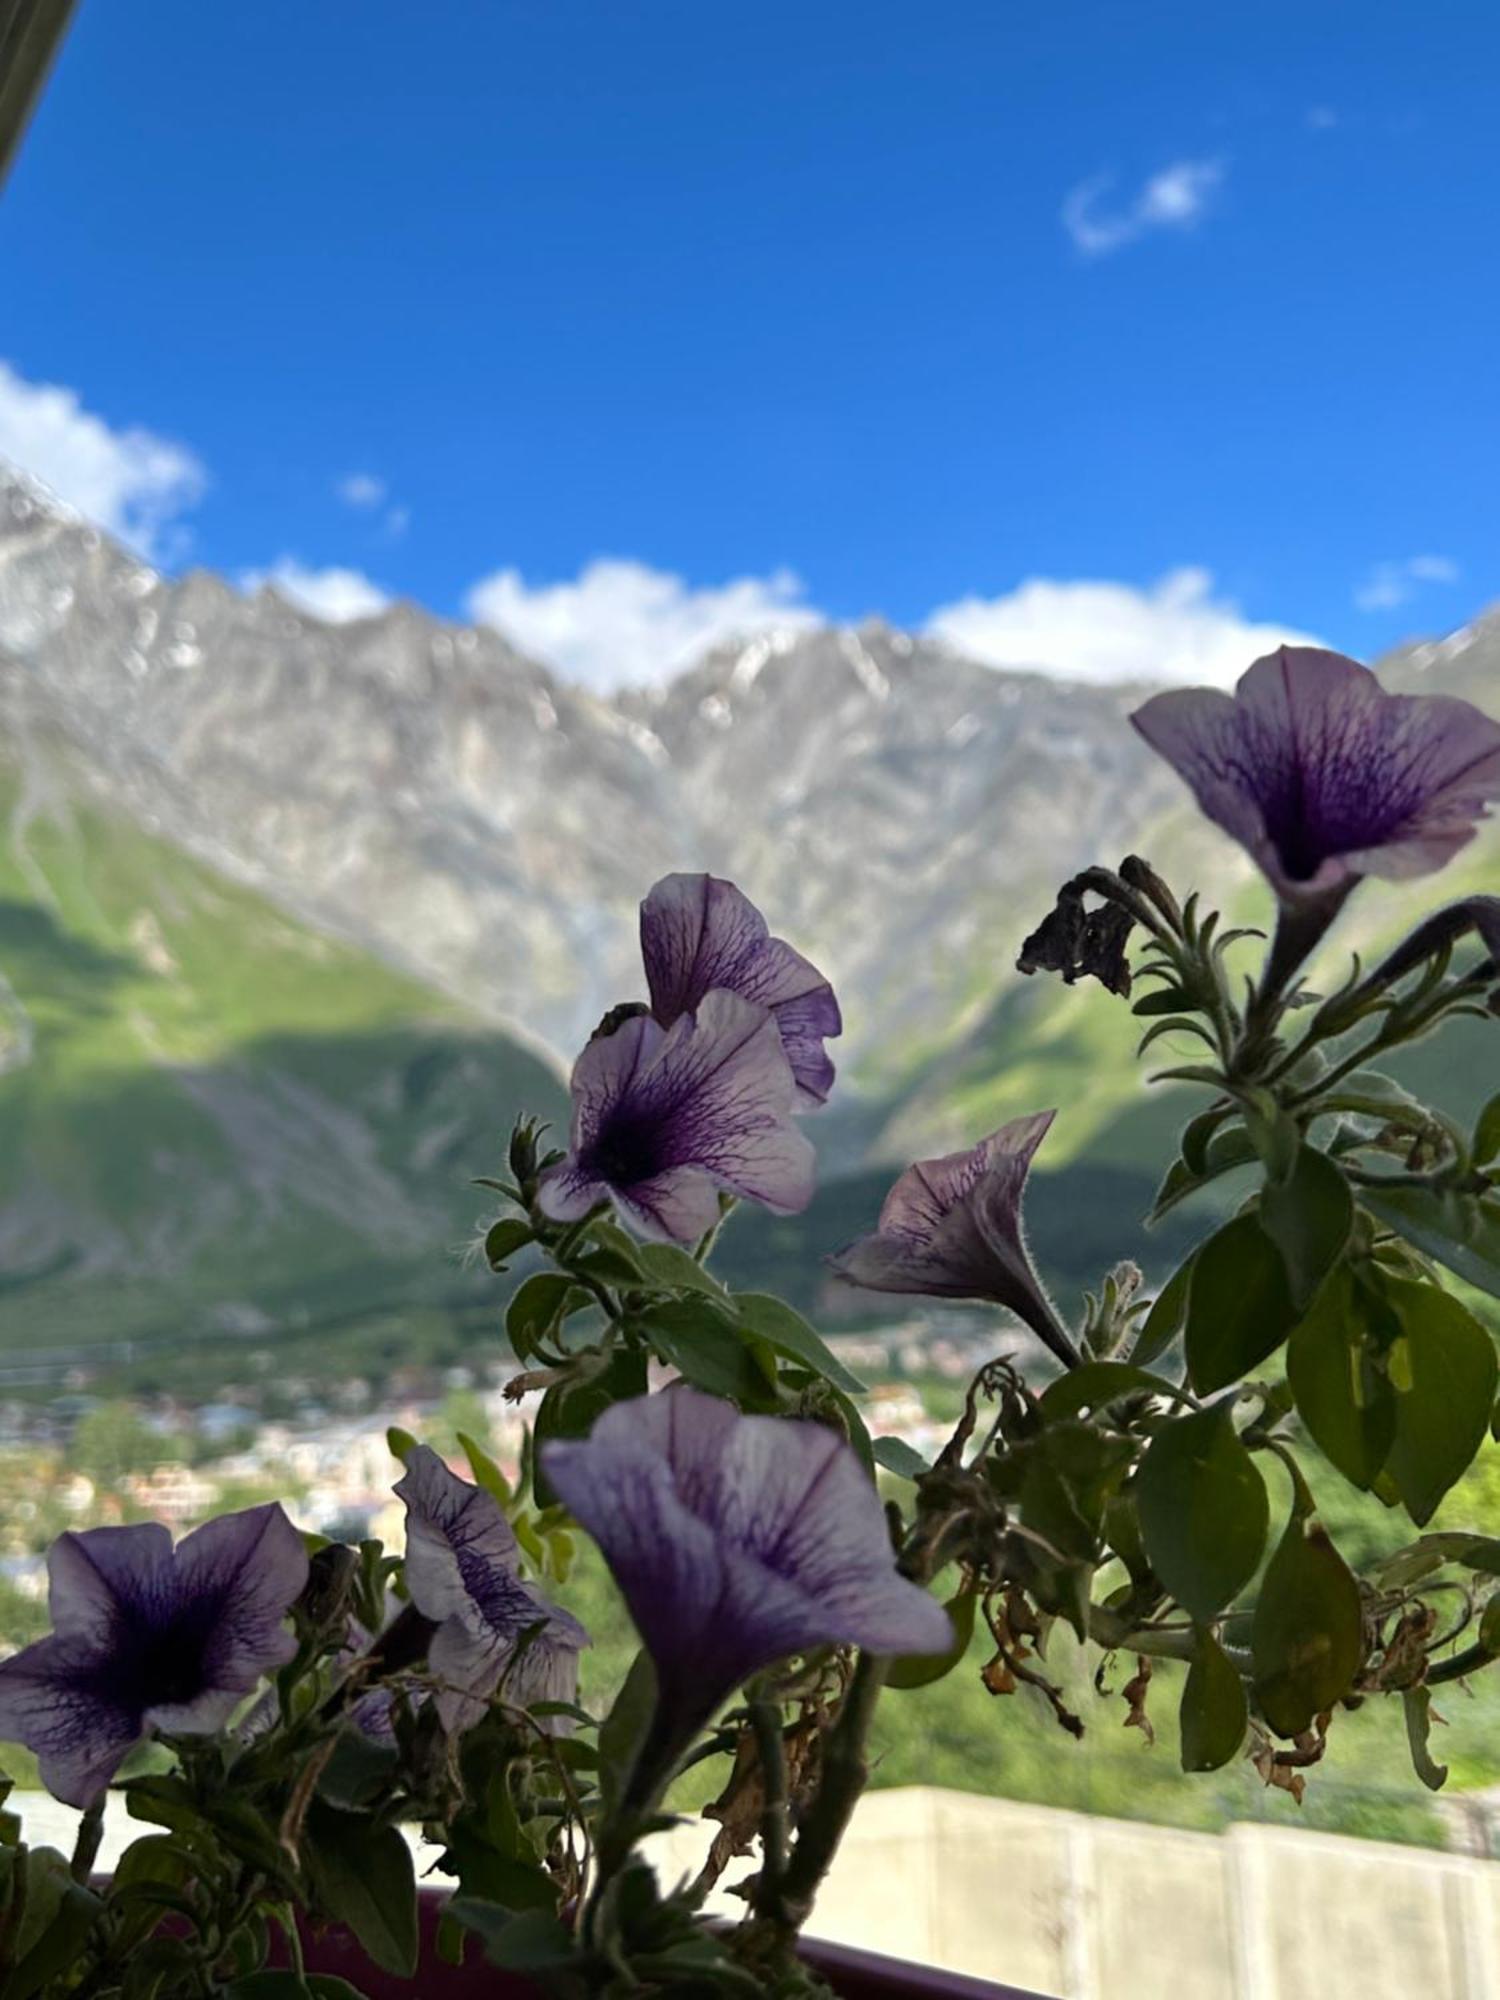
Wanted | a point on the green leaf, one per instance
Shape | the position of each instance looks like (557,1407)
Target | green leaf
(1273,1134)
(1239,1306)
(1097,1383)
(400,1443)
(706,1349)
(1342,1393)
(1164,1321)
(60,1942)
(609,1264)
(1203,1509)
(623,1730)
(1445,1372)
(361,1873)
(918,1670)
(571,1409)
(1214,1714)
(486,1473)
(534,1941)
(1165,1000)
(668,1265)
(1231,1148)
(538,1306)
(1307,1636)
(1197,1135)
(897,1456)
(1308,1216)
(1461,1231)
(1487,1133)
(772,1320)
(1417,1701)
(1429,1552)
(503,1239)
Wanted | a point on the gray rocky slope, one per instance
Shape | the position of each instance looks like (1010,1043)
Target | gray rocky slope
(902,812)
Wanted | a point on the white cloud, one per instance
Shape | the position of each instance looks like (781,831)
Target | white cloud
(361,489)
(334,594)
(1391,583)
(619,622)
(131,482)
(1321,118)
(1175,198)
(1176,631)
(397,521)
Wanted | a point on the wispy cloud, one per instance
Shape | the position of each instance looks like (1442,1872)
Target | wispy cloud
(1391,583)
(621,623)
(131,482)
(334,594)
(365,490)
(1320,118)
(1175,630)
(368,493)
(1176,198)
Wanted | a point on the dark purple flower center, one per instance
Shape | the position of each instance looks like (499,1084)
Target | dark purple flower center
(1337,792)
(501,1599)
(160,1655)
(627,1149)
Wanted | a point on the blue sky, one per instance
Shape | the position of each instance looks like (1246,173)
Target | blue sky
(1120,329)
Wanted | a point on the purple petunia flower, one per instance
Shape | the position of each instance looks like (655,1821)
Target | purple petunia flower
(663,1118)
(951,1229)
(698,932)
(146,1637)
(737,1542)
(462,1570)
(1323,776)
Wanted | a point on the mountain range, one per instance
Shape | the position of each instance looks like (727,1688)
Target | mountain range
(293,916)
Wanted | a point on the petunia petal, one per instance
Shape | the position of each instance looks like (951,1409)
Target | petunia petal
(54,1699)
(461,1555)
(1322,776)
(951,1227)
(471,1669)
(699,932)
(665,1118)
(96,1576)
(737,1541)
(252,1566)
(723,1090)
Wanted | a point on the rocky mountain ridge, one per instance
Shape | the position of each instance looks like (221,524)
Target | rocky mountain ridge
(428,791)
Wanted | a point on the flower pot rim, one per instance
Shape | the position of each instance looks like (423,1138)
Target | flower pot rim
(854,1974)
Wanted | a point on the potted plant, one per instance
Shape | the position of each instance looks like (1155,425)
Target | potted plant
(314,1698)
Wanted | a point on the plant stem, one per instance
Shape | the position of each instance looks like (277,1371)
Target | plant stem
(845,1772)
(1469,1661)
(765,1721)
(86,1845)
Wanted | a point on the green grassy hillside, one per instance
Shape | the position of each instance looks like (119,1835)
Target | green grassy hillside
(215,1122)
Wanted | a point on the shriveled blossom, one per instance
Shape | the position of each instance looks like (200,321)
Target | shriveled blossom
(463,1573)
(1324,777)
(147,1637)
(698,932)
(736,1542)
(951,1228)
(666,1118)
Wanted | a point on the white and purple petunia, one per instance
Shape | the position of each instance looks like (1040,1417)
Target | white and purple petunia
(666,1118)
(737,1541)
(1324,777)
(698,932)
(463,1572)
(951,1228)
(148,1637)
